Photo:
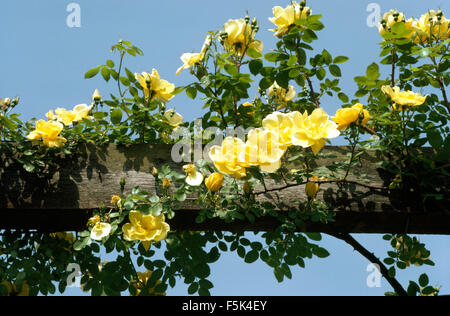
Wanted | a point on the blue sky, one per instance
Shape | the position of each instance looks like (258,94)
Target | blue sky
(44,61)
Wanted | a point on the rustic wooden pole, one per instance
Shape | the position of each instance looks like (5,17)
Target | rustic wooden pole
(64,200)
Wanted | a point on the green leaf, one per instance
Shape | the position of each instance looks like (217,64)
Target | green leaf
(125,81)
(340,59)
(271,57)
(279,275)
(130,75)
(335,70)
(253,53)
(80,244)
(265,83)
(423,280)
(309,36)
(400,29)
(110,63)
(320,252)
(106,74)
(435,138)
(205,284)
(373,72)
(223,246)
(413,289)
(92,72)
(389,261)
(293,73)
(191,92)
(231,69)
(326,57)
(314,236)
(204,292)
(343,97)
(29,167)
(180,196)
(255,66)
(157,209)
(428,290)
(321,73)
(116,116)
(241,251)
(202,270)
(292,60)
(391,272)
(251,256)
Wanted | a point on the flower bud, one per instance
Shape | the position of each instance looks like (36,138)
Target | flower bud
(302,4)
(148,81)
(154,172)
(214,182)
(7,102)
(247,19)
(96,96)
(311,189)
(122,184)
(15,101)
(166,183)
(254,22)
(247,188)
(223,35)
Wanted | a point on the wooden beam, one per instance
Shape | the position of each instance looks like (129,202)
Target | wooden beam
(63,199)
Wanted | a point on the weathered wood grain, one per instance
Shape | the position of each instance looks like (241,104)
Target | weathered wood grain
(64,199)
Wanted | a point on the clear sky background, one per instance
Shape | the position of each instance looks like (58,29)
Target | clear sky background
(43,61)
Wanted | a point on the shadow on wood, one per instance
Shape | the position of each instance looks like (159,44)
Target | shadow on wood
(63,198)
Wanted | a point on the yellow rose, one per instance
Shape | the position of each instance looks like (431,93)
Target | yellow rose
(190,59)
(282,124)
(166,183)
(115,199)
(48,131)
(141,284)
(240,37)
(214,182)
(263,149)
(146,228)
(227,159)
(403,99)
(93,220)
(173,118)
(285,18)
(194,178)
(432,26)
(280,95)
(51,116)
(393,17)
(311,131)
(64,116)
(344,117)
(155,87)
(82,112)
(100,231)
